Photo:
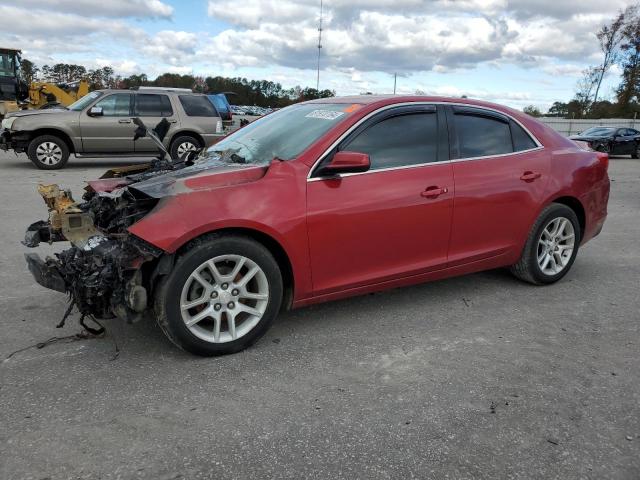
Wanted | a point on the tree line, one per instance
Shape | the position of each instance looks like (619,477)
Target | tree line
(619,43)
(240,91)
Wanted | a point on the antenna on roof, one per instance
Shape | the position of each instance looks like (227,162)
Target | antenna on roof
(319,47)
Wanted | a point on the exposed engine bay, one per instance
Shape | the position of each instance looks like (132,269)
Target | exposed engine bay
(103,270)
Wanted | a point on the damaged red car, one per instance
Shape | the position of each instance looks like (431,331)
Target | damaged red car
(318,201)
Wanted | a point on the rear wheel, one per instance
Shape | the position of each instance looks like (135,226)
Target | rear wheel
(183,145)
(551,248)
(48,152)
(221,296)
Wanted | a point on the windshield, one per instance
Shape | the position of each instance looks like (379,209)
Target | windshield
(7,65)
(84,101)
(599,131)
(283,134)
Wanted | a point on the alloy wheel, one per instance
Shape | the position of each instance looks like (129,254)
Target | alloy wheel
(186,147)
(224,298)
(556,245)
(49,153)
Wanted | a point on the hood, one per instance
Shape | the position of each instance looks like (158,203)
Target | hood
(46,111)
(202,175)
(589,138)
(192,179)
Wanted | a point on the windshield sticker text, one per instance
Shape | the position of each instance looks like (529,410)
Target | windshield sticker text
(324,114)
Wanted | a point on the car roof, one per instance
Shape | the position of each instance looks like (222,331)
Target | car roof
(378,101)
(146,90)
(382,100)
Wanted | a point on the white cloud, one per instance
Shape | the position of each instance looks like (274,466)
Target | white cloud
(409,35)
(122,67)
(108,8)
(173,47)
(416,38)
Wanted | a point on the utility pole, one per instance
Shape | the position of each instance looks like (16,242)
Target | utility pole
(395,79)
(319,47)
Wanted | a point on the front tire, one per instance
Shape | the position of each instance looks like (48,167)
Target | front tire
(48,152)
(221,296)
(551,248)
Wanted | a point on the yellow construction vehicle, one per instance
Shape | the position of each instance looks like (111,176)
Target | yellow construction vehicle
(15,94)
(43,94)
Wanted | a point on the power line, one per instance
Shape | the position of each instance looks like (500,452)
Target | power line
(319,47)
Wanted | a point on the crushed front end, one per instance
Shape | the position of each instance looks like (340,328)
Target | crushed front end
(105,271)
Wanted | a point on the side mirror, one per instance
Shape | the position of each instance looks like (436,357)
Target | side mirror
(95,111)
(346,162)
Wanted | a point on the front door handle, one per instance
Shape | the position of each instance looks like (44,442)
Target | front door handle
(173,121)
(529,176)
(434,191)
(124,120)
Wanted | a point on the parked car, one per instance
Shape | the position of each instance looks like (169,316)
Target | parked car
(319,201)
(612,140)
(99,125)
(236,110)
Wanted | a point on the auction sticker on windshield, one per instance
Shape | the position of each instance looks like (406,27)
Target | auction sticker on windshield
(324,114)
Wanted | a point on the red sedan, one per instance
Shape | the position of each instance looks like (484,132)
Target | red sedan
(324,200)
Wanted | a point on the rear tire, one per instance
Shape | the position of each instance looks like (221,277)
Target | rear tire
(182,145)
(226,315)
(546,257)
(48,152)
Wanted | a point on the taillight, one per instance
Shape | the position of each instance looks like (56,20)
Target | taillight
(604,159)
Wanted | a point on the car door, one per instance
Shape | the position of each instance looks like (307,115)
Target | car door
(106,126)
(152,108)
(500,173)
(624,142)
(391,221)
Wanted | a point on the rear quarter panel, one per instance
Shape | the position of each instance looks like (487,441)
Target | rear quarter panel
(580,174)
(574,173)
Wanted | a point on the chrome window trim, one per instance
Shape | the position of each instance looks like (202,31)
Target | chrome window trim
(539,145)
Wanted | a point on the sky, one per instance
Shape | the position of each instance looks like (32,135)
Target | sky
(514,52)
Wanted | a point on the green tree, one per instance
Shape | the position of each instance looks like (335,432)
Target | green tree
(29,70)
(609,37)
(559,109)
(628,92)
(532,110)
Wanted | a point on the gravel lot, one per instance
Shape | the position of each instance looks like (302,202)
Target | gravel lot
(475,377)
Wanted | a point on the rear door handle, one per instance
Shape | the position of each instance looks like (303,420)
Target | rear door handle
(124,120)
(434,191)
(529,176)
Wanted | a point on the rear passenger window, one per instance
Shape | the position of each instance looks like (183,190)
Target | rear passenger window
(482,136)
(398,141)
(197,106)
(521,139)
(153,105)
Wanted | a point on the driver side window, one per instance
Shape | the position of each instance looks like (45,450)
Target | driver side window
(399,141)
(116,105)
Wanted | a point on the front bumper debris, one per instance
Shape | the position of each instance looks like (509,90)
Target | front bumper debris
(45,273)
(105,270)
(17,141)
(5,139)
